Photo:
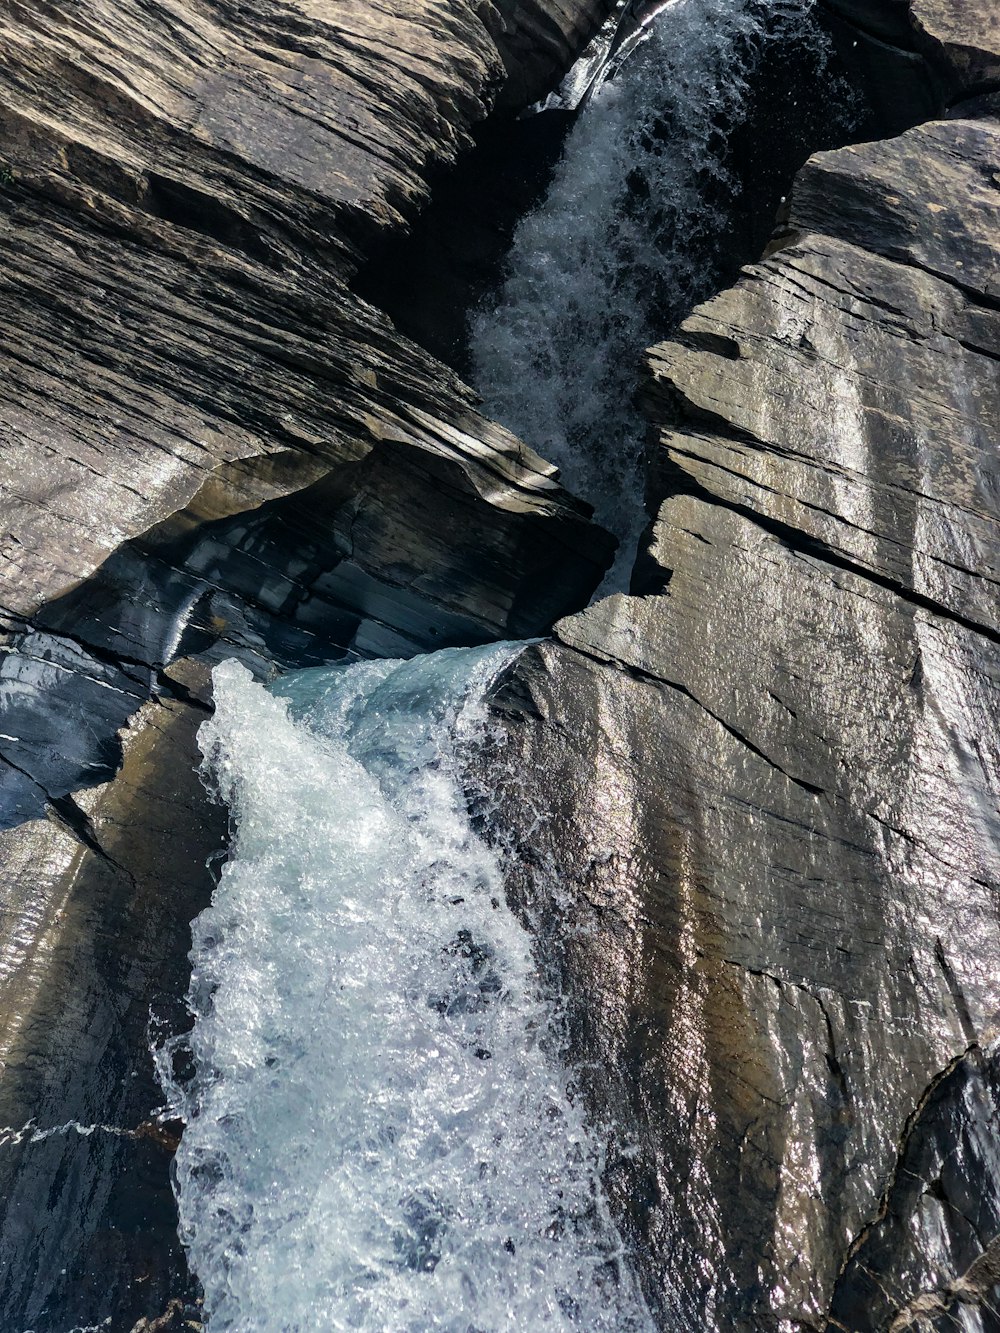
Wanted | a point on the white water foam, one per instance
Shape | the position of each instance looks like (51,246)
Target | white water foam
(619,249)
(379,1133)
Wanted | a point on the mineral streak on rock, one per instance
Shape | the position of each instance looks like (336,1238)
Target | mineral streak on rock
(762,789)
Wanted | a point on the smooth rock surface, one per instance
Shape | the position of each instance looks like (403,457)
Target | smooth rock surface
(761,791)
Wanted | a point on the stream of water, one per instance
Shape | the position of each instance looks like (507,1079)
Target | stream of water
(381,1131)
(625,242)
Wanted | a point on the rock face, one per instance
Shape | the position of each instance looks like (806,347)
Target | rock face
(211,445)
(539,40)
(964,37)
(959,38)
(764,785)
(917,57)
(96,917)
(200,417)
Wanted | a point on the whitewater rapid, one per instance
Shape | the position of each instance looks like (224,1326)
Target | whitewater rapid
(379,1134)
(380,1127)
(625,242)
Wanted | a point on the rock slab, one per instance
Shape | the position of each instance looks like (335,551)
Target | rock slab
(765,784)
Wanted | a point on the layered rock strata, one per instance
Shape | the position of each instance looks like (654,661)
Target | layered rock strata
(760,793)
(200,417)
(211,445)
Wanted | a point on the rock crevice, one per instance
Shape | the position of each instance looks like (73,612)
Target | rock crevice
(805,939)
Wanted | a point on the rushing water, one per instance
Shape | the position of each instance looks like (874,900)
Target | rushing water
(379,1132)
(625,242)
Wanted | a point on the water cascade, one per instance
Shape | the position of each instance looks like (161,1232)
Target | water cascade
(627,239)
(381,1126)
(380,1133)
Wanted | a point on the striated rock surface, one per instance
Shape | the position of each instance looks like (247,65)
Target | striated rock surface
(539,40)
(202,423)
(761,792)
(211,444)
(185,195)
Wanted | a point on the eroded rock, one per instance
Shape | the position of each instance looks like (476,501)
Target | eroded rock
(764,785)
(964,36)
(209,435)
(97,899)
(211,446)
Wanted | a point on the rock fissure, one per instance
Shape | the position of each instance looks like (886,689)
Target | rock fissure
(815,548)
(637,673)
(976,1287)
(970,1053)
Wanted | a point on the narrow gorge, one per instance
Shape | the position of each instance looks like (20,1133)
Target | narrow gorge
(565,733)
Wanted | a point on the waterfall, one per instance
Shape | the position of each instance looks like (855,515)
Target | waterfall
(380,1128)
(625,242)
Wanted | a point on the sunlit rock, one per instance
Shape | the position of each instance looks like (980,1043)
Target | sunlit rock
(768,816)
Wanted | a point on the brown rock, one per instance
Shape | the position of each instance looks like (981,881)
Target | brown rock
(964,35)
(760,793)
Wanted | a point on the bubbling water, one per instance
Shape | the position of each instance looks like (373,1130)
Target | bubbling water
(623,245)
(380,1133)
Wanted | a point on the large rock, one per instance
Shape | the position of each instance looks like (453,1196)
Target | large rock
(93,935)
(960,38)
(765,784)
(918,57)
(965,36)
(211,445)
(539,39)
(185,194)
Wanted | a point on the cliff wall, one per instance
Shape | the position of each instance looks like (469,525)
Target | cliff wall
(760,792)
(211,445)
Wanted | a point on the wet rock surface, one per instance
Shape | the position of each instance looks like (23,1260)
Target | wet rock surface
(203,421)
(760,792)
(763,786)
(97,900)
(212,445)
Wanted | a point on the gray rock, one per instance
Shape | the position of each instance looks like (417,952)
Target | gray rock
(539,40)
(965,37)
(764,786)
(210,445)
(93,935)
